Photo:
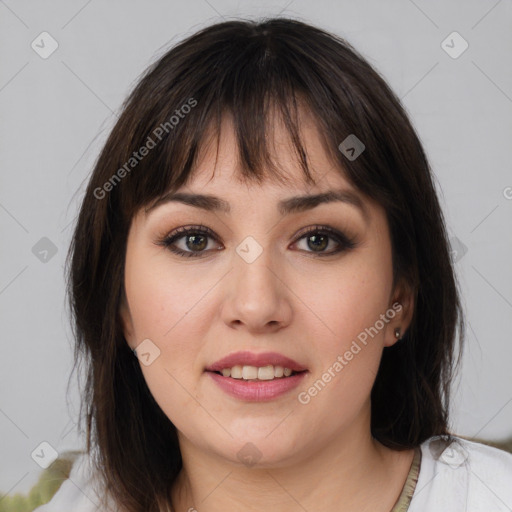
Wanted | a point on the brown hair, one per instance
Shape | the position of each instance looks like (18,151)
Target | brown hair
(243,68)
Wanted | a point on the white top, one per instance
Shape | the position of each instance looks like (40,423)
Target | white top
(462,477)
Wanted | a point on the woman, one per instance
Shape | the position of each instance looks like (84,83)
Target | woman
(262,291)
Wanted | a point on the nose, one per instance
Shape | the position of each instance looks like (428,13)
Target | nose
(257,296)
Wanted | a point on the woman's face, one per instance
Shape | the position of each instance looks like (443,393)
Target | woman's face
(264,279)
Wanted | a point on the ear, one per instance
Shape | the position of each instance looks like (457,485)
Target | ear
(126,322)
(402,303)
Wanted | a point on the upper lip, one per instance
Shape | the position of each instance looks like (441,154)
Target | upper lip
(247,358)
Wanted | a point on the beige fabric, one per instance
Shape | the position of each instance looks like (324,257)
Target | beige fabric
(404,500)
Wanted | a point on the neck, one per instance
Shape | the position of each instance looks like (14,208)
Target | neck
(351,471)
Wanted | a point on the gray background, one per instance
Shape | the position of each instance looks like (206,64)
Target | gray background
(56,113)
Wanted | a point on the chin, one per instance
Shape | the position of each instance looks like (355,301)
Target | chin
(261,450)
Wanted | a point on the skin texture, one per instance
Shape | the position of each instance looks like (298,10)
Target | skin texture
(289,300)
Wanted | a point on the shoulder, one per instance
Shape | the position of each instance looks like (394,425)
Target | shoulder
(487,458)
(458,474)
(79,492)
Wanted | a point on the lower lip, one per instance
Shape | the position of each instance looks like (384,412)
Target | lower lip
(257,390)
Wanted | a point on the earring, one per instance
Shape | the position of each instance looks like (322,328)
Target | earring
(397,333)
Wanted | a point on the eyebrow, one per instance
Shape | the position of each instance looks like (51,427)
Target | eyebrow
(286,206)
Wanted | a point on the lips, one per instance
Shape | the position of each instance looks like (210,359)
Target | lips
(257,390)
(247,358)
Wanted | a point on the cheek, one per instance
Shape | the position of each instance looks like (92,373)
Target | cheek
(342,303)
(165,300)
(152,298)
(171,306)
(348,328)
(162,310)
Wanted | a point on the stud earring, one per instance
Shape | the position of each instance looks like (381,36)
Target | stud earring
(397,333)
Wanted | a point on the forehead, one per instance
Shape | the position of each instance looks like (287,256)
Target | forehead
(218,161)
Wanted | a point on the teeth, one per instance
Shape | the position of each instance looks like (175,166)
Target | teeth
(249,372)
(268,372)
(236,372)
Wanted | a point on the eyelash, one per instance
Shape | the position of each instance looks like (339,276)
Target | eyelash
(343,240)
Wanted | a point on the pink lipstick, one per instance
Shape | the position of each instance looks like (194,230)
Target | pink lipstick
(256,377)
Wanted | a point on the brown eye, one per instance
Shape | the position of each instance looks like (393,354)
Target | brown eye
(318,242)
(195,240)
(319,238)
